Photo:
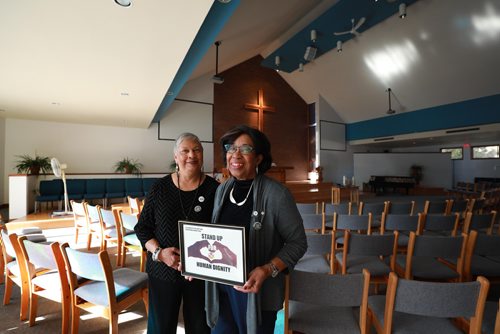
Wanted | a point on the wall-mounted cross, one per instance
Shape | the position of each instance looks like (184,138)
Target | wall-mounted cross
(260,108)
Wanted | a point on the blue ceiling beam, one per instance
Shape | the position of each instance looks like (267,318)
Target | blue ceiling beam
(336,19)
(483,110)
(214,22)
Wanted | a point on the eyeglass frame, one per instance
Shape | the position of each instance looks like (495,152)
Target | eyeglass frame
(231,149)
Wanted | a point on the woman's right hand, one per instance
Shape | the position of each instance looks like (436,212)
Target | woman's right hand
(171,257)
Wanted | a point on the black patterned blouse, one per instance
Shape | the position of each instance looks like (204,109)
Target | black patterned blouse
(164,207)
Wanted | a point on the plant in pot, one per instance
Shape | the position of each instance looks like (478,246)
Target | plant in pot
(128,166)
(29,165)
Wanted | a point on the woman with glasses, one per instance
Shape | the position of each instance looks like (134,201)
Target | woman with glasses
(275,237)
(186,194)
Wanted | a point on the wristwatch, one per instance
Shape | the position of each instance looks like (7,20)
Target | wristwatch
(274,270)
(154,255)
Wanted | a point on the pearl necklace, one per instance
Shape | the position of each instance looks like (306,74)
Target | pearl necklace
(231,197)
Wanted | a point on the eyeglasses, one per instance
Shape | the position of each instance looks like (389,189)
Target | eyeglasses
(244,149)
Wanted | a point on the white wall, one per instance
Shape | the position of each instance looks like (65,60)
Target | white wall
(95,149)
(2,154)
(335,164)
(467,169)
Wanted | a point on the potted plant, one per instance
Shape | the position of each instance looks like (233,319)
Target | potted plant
(128,166)
(29,165)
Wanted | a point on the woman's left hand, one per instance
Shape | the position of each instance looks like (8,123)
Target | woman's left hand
(255,280)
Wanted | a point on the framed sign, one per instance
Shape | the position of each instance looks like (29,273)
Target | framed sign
(213,252)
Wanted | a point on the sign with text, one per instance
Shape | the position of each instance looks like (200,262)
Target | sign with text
(213,252)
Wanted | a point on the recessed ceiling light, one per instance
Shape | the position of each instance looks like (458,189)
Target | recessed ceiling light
(124,94)
(124,3)
(170,93)
(224,1)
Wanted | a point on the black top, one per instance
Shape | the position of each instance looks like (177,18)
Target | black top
(161,213)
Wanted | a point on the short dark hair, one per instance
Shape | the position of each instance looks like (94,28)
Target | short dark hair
(260,142)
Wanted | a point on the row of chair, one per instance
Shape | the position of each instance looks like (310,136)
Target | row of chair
(322,303)
(420,223)
(76,279)
(113,225)
(426,257)
(93,189)
(446,207)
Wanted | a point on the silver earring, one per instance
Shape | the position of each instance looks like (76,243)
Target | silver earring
(177,168)
(257,169)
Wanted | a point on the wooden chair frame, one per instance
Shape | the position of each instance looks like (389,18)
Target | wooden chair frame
(61,295)
(114,307)
(473,326)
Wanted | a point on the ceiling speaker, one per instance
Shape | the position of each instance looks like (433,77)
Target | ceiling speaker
(310,53)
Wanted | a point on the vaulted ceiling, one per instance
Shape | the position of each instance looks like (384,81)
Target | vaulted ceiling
(95,62)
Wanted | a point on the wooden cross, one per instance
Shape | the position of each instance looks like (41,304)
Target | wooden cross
(260,108)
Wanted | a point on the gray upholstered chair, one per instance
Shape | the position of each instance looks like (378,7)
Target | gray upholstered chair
(436,207)
(341,209)
(46,277)
(482,257)
(370,252)
(110,231)
(315,223)
(319,256)
(428,307)
(321,303)
(491,318)
(459,206)
(107,292)
(375,208)
(437,224)
(400,208)
(404,224)
(362,224)
(432,257)
(308,208)
(129,239)
(482,223)
(79,217)
(94,224)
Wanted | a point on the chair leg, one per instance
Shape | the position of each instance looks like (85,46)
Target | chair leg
(24,303)
(75,318)
(113,323)
(89,240)
(76,235)
(118,255)
(33,308)
(65,305)
(8,291)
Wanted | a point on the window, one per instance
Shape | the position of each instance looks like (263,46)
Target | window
(486,152)
(457,153)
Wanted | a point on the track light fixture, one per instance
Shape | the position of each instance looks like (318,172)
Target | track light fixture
(339,46)
(390,111)
(277,62)
(402,10)
(124,3)
(314,36)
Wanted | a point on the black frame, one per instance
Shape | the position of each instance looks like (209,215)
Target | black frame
(472,152)
(453,148)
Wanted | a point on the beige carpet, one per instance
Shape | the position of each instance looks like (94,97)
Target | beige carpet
(133,320)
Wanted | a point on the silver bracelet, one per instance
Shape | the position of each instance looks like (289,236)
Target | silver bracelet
(155,254)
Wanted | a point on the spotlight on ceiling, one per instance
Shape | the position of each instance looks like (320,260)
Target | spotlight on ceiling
(277,62)
(314,36)
(217,78)
(339,46)
(224,1)
(310,53)
(301,67)
(390,111)
(402,10)
(124,3)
